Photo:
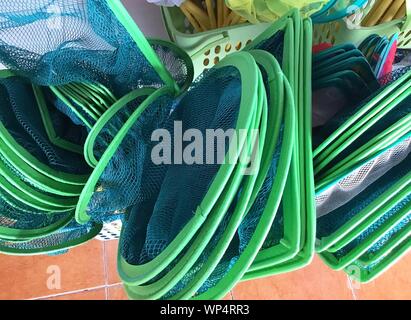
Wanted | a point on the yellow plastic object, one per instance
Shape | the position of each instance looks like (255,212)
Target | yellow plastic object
(270,10)
(382,11)
(351,29)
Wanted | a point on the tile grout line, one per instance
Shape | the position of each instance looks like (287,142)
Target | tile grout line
(76,291)
(104,286)
(68,292)
(105,268)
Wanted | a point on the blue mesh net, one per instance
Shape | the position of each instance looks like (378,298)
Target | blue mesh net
(244,233)
(63,123)
(165,202)
(203,259)
(112,127)
(54,42)
(70,235)
(121,186)
(178,65)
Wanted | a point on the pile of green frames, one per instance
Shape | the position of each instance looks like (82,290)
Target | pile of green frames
(363,190)
(253,225)
(50,142)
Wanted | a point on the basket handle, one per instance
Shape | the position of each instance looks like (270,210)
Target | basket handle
(220,39)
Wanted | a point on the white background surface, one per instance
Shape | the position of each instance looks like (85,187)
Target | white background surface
(148,17)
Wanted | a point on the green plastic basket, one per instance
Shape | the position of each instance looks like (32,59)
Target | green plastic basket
(350,30)
(208,48)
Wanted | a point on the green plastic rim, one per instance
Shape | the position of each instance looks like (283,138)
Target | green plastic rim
(188,292)
(367,274)
(48,124)
(346,170)
(338,263)
(386,96)
(267,61)
(371,258)
(291,242)
(159,288)
(250,252)
(225,170)
(118,105)
(105,118)
(67,102)
(307,247)
(378,144)
(30,197)
(127,21)
(28,234)
(66,178)
(355,132)
(73,94)
(37,178)
(94,231)
(180,53)
(326,242)
(371,220)
(249,76)
(87,193)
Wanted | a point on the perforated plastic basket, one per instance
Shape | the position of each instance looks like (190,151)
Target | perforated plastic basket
(209,47)
(350,30)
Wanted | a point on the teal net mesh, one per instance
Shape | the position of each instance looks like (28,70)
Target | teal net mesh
(18,216)
(10,173)
(130,176)
(112,127)
(70,235)
(274,45)
(66,125)
(21,117)
(171,193)
(54,42)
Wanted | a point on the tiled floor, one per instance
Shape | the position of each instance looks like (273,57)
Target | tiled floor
(89,272)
